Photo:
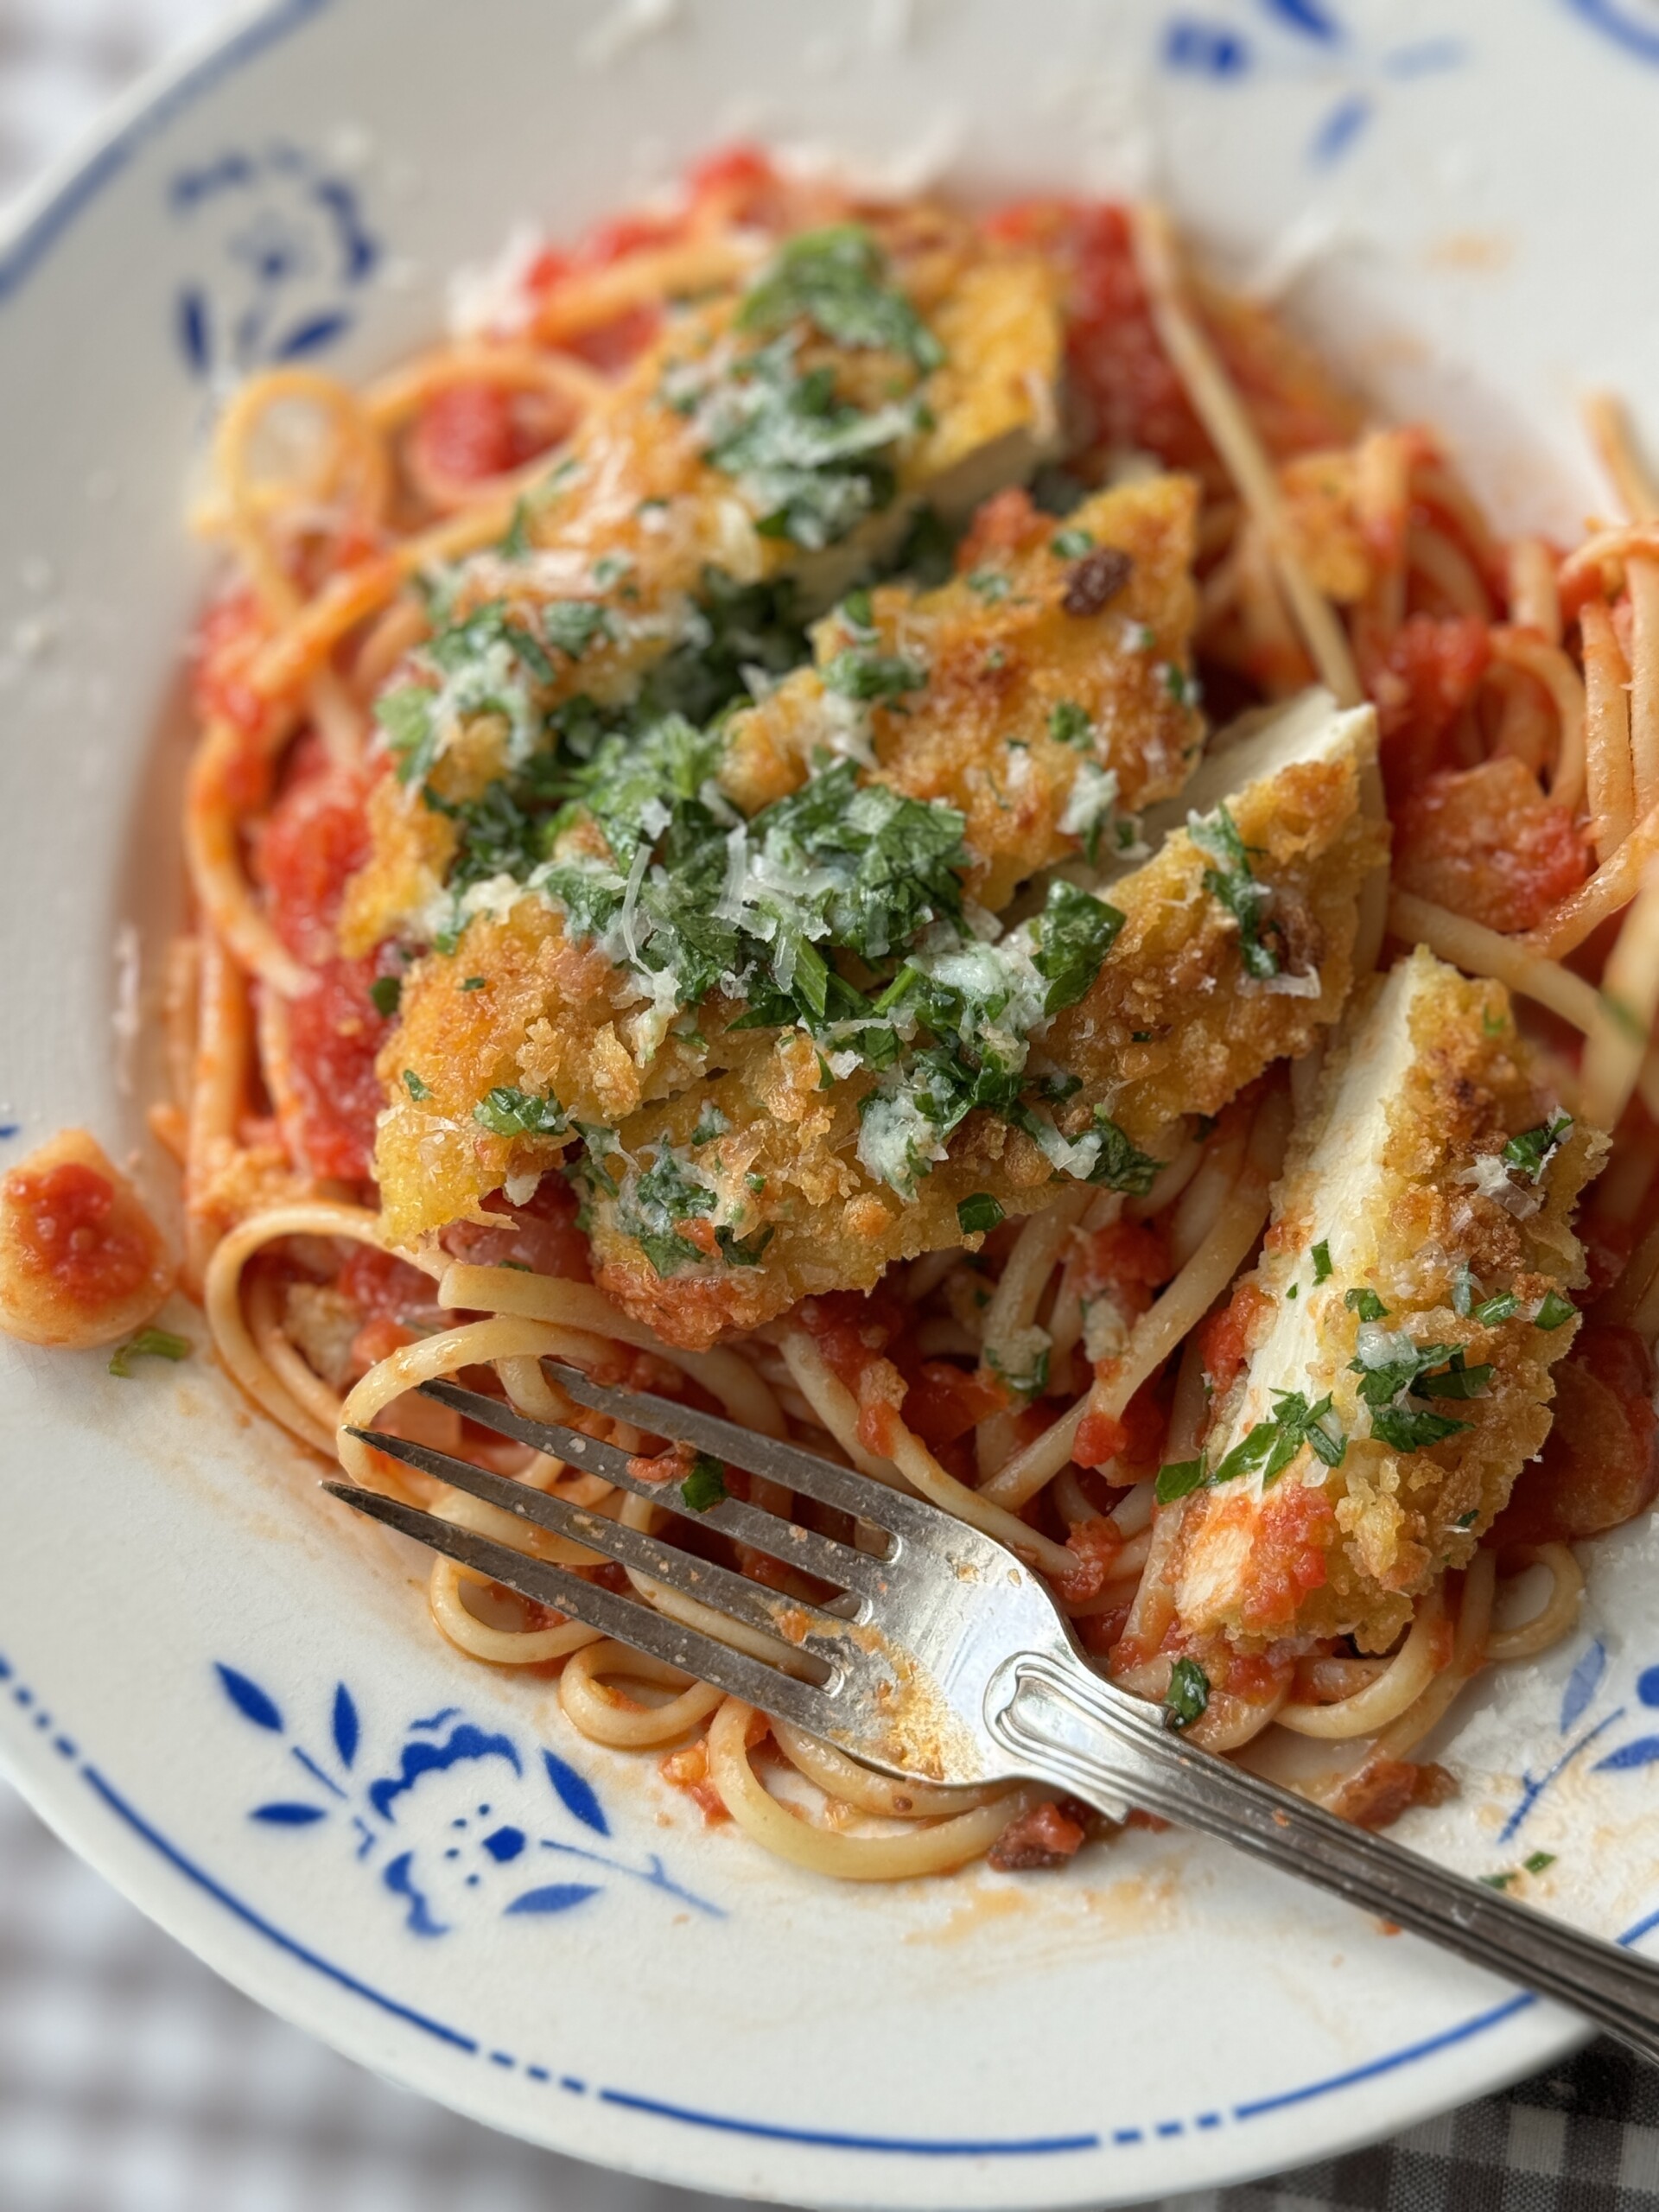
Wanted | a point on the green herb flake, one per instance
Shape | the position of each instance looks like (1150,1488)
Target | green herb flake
(1531,1151)
(704,1486)
(1467,1519)
(1535,1862)
(1120,1167)
(1071,544)
(385,993)
(992,585)
(1497,1881)
(1322,1268)
(1069,724)
(979,1213)
(148,1344)
(867,677)
(1491,1311)
(836,279)
(406,716)
(1230,883)
(1188,1694)
(742,1251)
(417,1090)
(1405,1429)
(471,983)
(1074,936)
(1177,1478)
(1554,1310)
(507,1112)
(1365,1302)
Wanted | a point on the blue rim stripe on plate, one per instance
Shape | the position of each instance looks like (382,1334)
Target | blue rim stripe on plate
(778,2132)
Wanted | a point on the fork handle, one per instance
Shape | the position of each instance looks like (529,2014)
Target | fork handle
(1061,1723)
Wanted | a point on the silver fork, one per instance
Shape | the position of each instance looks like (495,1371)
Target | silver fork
(945,1660)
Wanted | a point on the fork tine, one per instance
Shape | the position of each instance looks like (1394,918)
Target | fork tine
(627,1620)
(895,1510)
(746,1524)
(797,1623)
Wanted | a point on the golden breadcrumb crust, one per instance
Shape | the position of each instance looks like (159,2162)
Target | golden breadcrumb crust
(1398,1519)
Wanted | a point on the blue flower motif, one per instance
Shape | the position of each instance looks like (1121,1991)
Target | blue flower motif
(1631,24)
(1308,40)
(454,1808)
(284,249)
(1583,1689)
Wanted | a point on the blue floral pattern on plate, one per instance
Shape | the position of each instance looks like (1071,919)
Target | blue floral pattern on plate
(1581,1694)
(285,250)
(1303,38)
(452,1816)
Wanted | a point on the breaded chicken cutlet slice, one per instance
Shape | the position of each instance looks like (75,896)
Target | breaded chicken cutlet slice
(1043,692)
(1408,1307)
(767,435)
(795,1173)
(523,1004)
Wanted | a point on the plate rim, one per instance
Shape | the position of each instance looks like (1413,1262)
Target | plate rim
(1542,2036)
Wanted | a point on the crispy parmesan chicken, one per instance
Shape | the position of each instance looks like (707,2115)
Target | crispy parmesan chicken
(1400,1330)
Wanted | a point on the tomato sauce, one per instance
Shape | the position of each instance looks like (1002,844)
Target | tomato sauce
(1486,843)
(66,1223)
(315,840)
(1600,1467)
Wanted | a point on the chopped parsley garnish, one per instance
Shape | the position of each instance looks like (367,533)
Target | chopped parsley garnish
(704,1486)
(1467,1519)
(1074,936)
(1365,1302)
(991,584)
(1268,1448)
(1459,1380)
(1230,883)
(1405,1429)
(836,279)
(811,465)
(1554,1310)
(1188,1694)
(1491,1311)
(417,1090)
(1069,724)
(1532,1151)
(742,1251)
(1322,1268)
(1071,544)
(148,1344)
(506,1112)
(654,1205)
(471,983)
(385,993)
(573,625)
(858,611)
(868,675)
(1121,1166)
(1535,1862)
(979,1213)
(1027,1374)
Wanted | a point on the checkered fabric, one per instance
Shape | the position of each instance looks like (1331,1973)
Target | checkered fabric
(131,2080)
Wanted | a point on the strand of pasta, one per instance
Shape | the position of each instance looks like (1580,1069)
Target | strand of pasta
(925,1849)
(222,1300)
(1020,1289)
(1183,1303)
(747,1396)
(214,859)
(1512,963)
(1619,1051)
(836,1407)
(1401,1683)
(1544,660)
(1556,1618)
(1218,405)
(1607,732)
(604,1718)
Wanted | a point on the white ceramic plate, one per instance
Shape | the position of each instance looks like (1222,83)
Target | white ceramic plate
(225,1691)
